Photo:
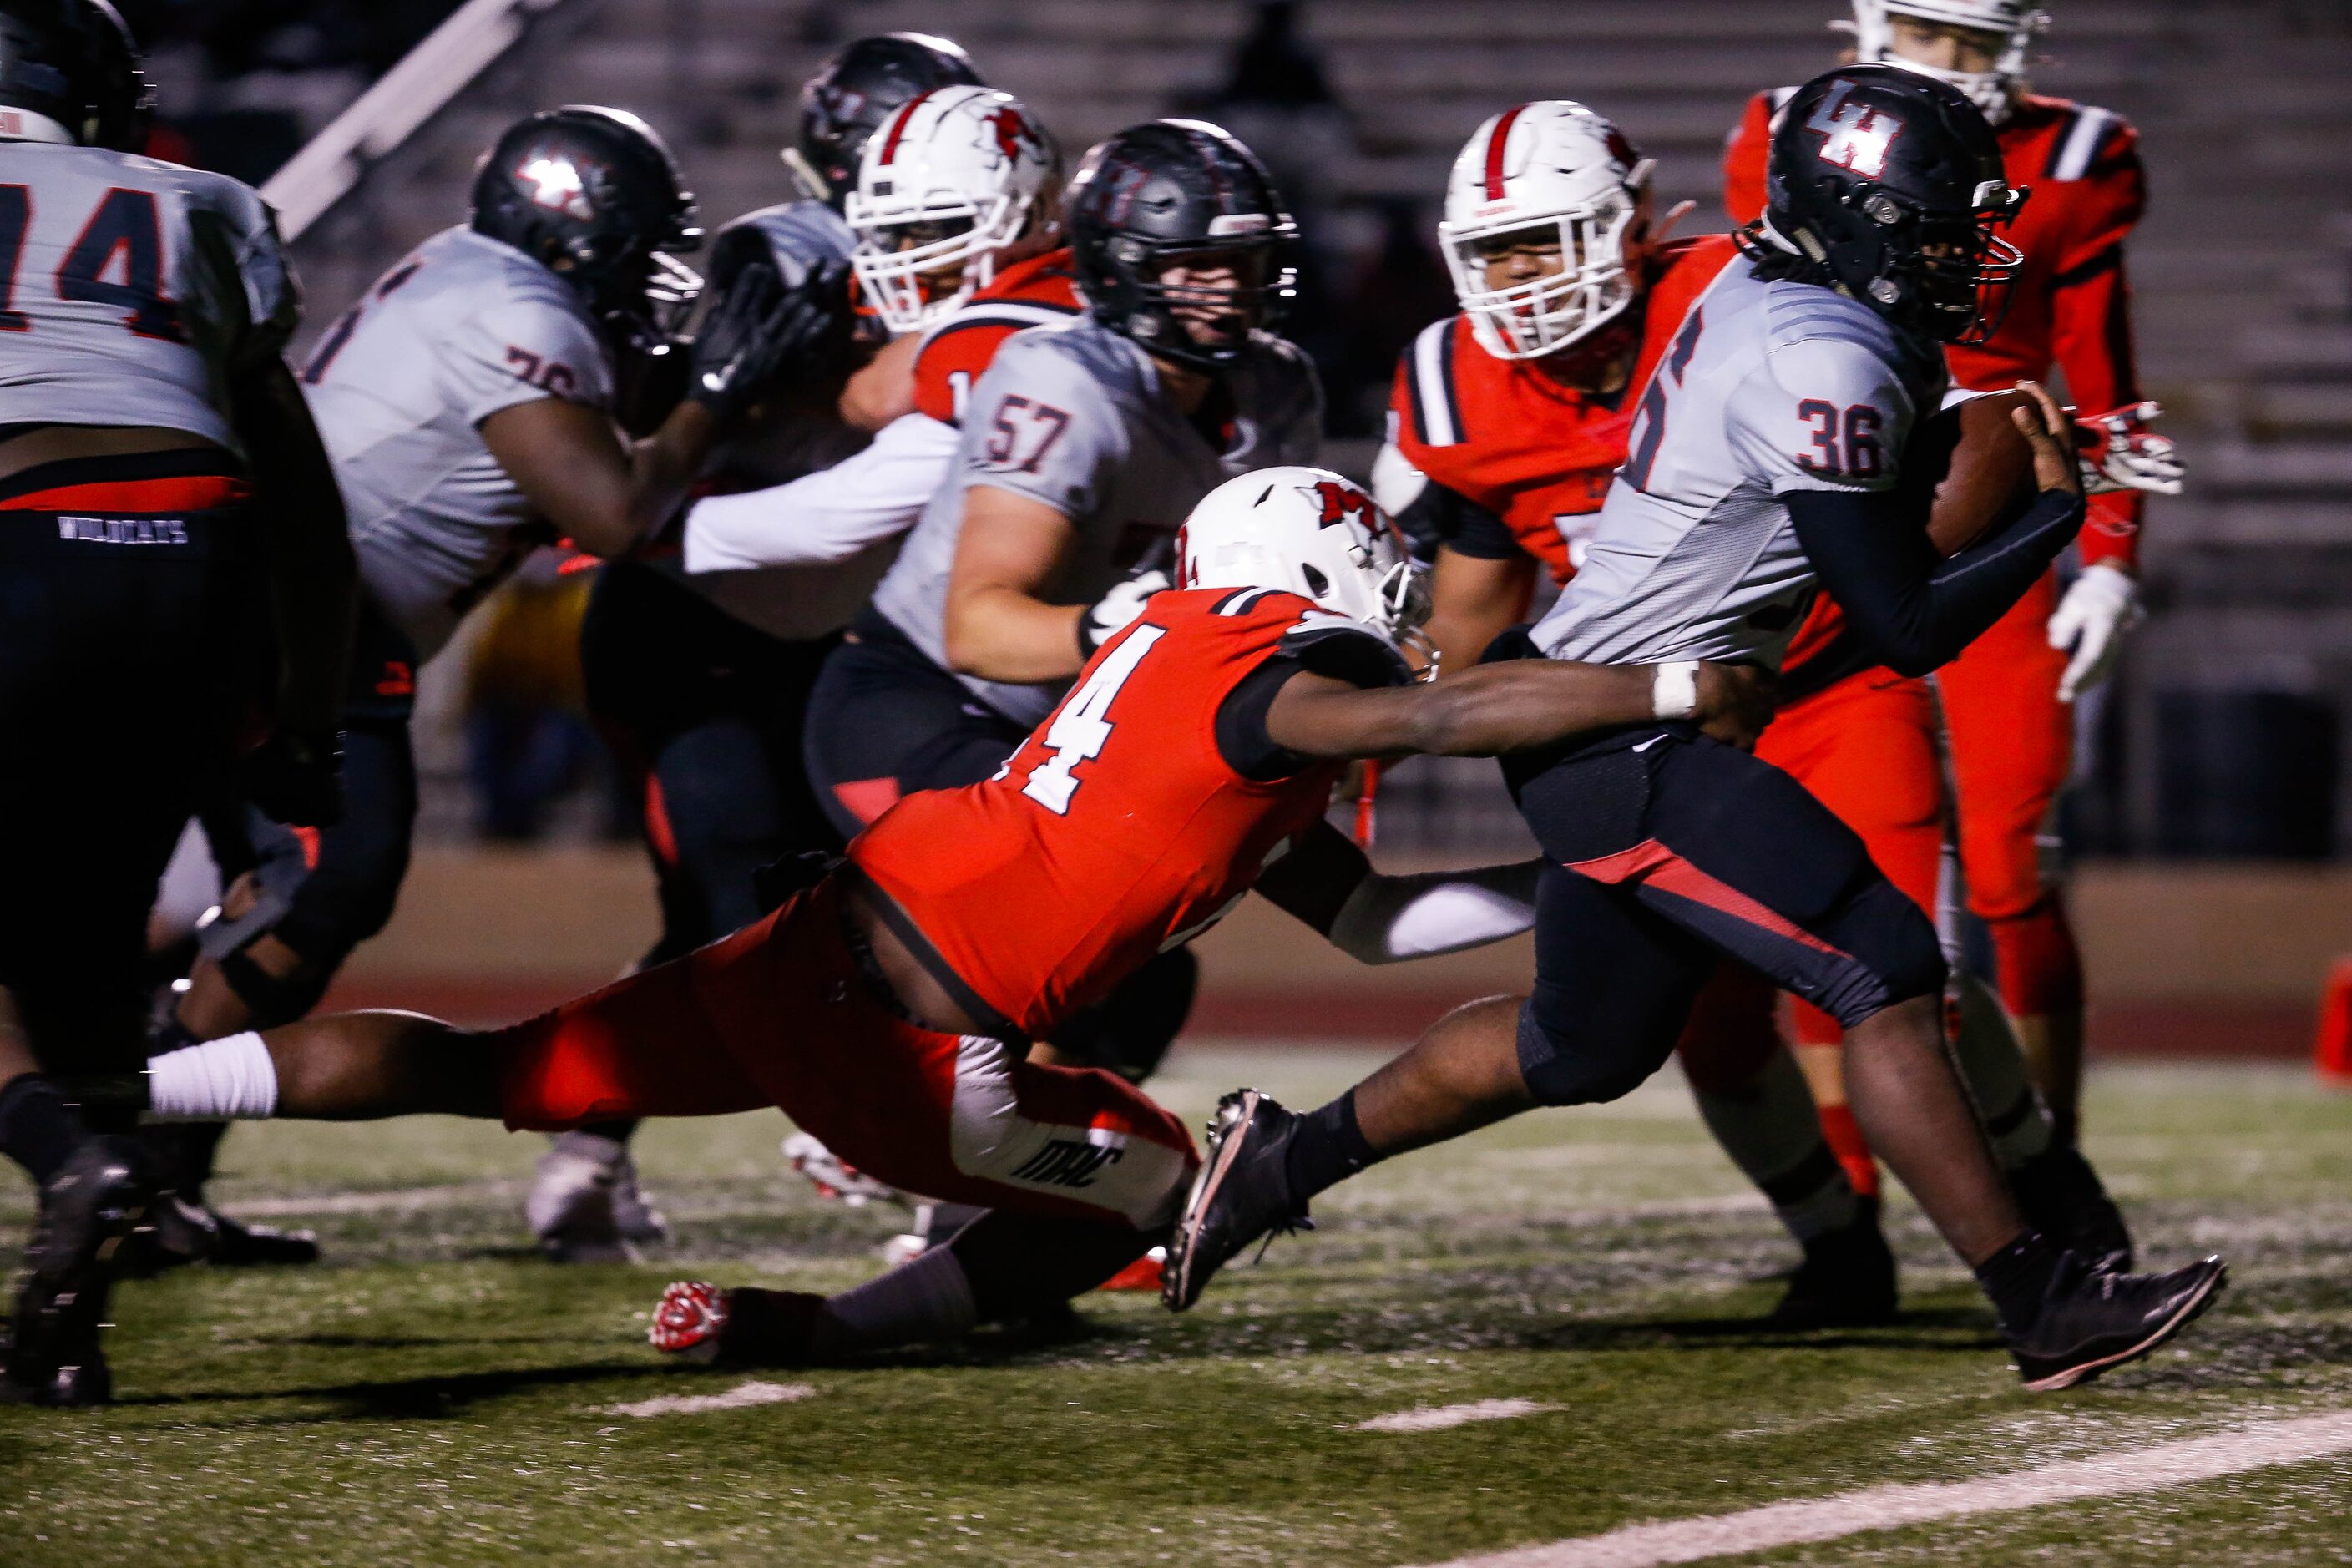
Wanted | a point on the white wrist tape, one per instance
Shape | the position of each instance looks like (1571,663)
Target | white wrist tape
(221,1079)
(1674,690)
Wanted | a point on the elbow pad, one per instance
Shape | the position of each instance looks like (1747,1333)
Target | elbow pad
(1390,919)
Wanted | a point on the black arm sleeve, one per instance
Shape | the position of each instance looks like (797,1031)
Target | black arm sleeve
(1912,610)
(1442,516)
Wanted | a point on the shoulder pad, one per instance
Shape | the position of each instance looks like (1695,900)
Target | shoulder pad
(1345,650)
(2083,136)
(1436,401)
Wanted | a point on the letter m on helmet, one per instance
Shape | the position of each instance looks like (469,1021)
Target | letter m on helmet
(1342,502)
(1853,136)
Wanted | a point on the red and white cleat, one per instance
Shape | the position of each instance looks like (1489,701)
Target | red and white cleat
(689,1320)
(1144,1274)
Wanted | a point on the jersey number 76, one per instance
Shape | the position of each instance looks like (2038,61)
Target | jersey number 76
(1082,727)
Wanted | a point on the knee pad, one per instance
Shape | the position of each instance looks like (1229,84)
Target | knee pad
(1130,1031)
(271,1000)
(1564,1065)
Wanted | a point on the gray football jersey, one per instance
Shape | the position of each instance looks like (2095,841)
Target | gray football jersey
(138,287)
(1071,415)
(797,602)
(400,385)
(1769,388)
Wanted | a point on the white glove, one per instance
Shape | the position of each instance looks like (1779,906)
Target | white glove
(2120,453)
(1124,601)
(2090,624)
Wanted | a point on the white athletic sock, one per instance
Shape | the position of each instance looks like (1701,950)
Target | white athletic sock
(1772,1131)
(918,1302)
(1993,1067)
(231,1077)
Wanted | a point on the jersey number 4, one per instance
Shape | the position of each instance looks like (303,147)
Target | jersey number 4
(1083,726)
(125,224)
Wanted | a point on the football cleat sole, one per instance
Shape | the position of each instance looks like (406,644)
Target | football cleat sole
(1178,1287)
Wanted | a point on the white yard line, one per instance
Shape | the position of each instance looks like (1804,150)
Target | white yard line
(1437,1417)
(394,1200)
(2155,1468)
(735,1398)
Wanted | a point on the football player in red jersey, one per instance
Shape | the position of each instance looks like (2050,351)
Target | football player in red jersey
(2005,701)
(886,1006)
(1508,420)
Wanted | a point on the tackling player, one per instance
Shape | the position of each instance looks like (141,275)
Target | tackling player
(886,1008)
(1081,449)
(1766,461)
(466,400)
(2005,700)
(165,500)
(699,680)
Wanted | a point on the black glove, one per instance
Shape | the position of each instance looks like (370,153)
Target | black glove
(759,329)
(296,779)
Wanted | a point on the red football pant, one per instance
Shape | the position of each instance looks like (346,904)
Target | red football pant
(2012,748)
(781,1015)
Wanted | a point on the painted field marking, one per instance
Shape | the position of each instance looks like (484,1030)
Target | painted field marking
(1437,1417)
(736,1398)
(1794,1523)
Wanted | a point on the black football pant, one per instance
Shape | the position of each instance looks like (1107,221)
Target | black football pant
(885,722)
(1669,853)
(132,630)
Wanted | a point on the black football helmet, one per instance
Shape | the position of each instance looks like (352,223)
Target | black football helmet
(69,67)
(1156,193)
(1887,185)
(595,195)
(846,103)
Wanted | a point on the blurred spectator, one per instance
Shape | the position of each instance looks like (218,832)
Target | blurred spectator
(1400,288)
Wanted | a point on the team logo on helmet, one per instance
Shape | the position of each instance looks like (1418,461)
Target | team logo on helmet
(1013,132)
(1343,501)
(1853,136)
(555,182)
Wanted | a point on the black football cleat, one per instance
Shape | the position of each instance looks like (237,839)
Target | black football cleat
(1242,1193)
(1846,1281)
(2091,1321)
(90,1209)
(2060,1196)
(181,1232)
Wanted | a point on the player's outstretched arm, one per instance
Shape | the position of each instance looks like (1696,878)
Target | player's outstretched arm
(830,515)
(1376,918)
(314,578)
(1914,610)
(1516,705)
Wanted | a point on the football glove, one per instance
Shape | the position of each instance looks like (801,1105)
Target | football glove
(2089,625)
(2120,453)
(1115,609)
(759,329)
(296,779)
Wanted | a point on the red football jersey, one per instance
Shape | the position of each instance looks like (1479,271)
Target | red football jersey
(2072,303)
(1511,439)
(1032,293)
(1118,830)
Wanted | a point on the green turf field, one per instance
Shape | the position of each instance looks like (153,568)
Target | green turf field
(438,1396)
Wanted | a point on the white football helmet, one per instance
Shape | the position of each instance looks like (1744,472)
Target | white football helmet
(1547,164)
(2019,22)
(949,180)
(1312,532)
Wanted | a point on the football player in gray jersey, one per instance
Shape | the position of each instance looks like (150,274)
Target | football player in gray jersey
(1767,458)
(702,680)
(1081,450)
(162,490)
(466,400)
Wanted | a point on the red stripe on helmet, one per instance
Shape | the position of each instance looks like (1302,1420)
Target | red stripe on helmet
(898,126)
(1495,146)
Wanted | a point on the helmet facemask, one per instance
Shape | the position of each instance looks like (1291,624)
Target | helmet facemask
(1264,282)
(2016,27)
(920,256)
(1589,286)
(1950,274)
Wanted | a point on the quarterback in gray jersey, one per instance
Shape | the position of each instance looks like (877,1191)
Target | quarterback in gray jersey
(1759,462)
(164,498)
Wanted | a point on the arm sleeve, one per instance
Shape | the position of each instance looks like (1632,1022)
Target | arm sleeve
(2091,326)
(249,281)
(1321,644)
(1038,425)
(1909,609)
(1327,882)
(1744,155)
(1829,412)
(828,516)
(523,348)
